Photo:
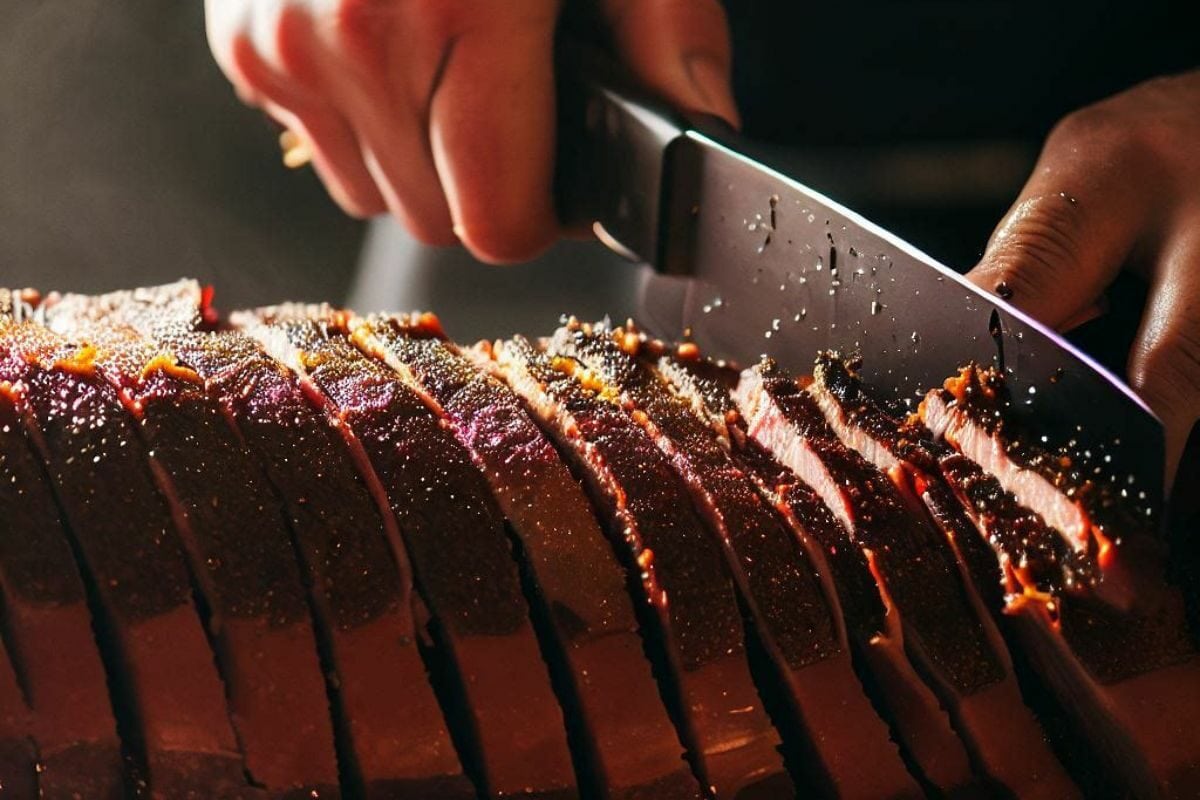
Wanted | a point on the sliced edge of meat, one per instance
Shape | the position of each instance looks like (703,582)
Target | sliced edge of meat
(388,724)
(919,726)
(49,627)
(579,592)
(359,595)
(124,538)
(1015,754)
(793,619)
(942,634)
(455,542)
(969,414)
(241,555)
(688,599)
(18,751)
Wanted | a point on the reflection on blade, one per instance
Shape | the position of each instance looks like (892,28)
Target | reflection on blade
(777,269)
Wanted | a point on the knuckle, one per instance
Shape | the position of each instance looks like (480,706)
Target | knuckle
(1108,135)
(1167,371)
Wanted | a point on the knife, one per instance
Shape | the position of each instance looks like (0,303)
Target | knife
(747,261)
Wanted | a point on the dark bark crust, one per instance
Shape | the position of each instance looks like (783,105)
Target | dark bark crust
(691,615)
(590,630)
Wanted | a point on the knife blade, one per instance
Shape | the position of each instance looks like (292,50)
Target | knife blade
(747,261)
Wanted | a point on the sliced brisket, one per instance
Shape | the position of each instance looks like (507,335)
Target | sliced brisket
(18,753)
(1115,676)
(461,555)
(947,635)
(684,588)
(241,554)
(920,726)
(578,587)
(820,699)
(172,707)
(1062,488)
(48,627)
(1016,754)
(392,738)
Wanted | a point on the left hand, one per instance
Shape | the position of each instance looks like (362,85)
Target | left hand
(1117,185)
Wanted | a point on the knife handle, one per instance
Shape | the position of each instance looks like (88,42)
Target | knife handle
(615,148)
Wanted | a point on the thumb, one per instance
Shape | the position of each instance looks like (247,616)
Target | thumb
(678,48)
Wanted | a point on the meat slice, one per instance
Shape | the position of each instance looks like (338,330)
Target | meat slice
(819,700)
(49,630)
(686,593)
(1089,514)
(170,700)
(460,552)
(1015,754)
(578,590)
(918,723)
(1115,676)
(241,554)
(391,736)
(948,635)
(18,753)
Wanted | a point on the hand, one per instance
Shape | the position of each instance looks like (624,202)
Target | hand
(1117,185)
(441,112)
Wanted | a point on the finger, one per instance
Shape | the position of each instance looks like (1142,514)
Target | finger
(385,118)
(335,151)
(1164,365)
(491,124)
(680,48)
(1075,223)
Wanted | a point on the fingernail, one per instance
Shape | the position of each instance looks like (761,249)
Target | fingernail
(710,79)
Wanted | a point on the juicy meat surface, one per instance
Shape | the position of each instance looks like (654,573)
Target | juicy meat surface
(1015,754)
(969,413)
(946,632)
(391,735)
(241,556)
(123,529)
(685,590)
(49,630)
(459,549)
(391,729)
(918,723)
(579,589)
(793,618)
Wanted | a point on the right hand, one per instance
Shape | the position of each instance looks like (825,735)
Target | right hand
(441,112)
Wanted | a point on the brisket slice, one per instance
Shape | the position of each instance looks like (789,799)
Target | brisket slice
(578,589)
(1123,720)
(240,552)
(1063,488)
(945,631)
(18,752)
(391,737)
(683,586)
(1114,675)
(1016,753)
(918,723)
(820,701)
(48,627)
(460,553)
(178,731)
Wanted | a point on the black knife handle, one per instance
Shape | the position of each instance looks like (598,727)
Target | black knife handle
(614,146)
